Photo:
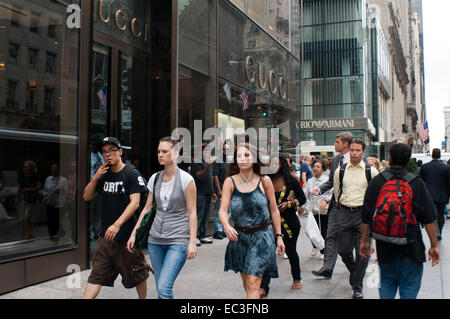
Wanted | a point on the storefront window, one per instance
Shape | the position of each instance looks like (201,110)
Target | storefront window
(38,128)
(197,95)
(256,82)
(280,18)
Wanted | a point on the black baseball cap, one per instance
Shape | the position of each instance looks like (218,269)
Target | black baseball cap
(111,140)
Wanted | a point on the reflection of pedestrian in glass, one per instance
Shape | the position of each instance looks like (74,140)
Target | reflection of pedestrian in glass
(28,195)
(72,186)
(55,195)
(172,237)
(251,199)
(3,214)
(284,183)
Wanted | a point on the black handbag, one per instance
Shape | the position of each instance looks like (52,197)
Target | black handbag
(141,241)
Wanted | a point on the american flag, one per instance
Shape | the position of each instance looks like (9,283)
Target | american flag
(103,98)
(244,97)
(424,133)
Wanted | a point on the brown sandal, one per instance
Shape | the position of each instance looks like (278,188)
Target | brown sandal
(262,293)
(296,285)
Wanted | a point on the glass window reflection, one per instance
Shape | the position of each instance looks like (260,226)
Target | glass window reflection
(38,128)
(280,18)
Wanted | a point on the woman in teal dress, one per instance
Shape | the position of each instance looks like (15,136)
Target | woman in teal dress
(251,198)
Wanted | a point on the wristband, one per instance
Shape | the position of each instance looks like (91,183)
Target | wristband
(279,235)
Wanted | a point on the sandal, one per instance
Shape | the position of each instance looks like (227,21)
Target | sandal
(296,285)
(262,293)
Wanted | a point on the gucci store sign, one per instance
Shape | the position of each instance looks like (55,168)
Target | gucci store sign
(336,124)
(125,20)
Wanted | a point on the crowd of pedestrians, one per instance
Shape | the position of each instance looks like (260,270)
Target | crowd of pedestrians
(258,214)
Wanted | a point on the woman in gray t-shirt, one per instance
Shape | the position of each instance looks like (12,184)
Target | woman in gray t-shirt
(173,234)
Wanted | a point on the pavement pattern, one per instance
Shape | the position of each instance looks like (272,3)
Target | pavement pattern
(204,278)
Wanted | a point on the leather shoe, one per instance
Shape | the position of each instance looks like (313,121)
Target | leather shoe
(218,235)
(357,295)
(322,273)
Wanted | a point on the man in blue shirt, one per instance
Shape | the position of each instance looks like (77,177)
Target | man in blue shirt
(305,170)
(203,177)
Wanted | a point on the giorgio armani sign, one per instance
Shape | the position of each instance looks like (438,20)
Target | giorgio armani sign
(336,124)
(326,124)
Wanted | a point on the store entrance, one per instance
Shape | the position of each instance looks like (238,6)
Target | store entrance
(119,108)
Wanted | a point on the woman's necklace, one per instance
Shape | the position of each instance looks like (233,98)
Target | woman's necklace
(247,181)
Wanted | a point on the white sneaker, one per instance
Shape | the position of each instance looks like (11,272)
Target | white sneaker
(198,242)
(206,240)
(313,252)
(285,256)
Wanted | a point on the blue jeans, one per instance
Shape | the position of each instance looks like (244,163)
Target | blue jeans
(403,274)
(167,262)
(218,227)
(203,208)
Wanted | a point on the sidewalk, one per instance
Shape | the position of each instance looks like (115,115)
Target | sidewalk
(204,278)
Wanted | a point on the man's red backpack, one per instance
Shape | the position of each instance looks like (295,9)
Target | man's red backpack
(393,220)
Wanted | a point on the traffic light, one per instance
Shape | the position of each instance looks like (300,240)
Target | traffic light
(443,145)
(264,114)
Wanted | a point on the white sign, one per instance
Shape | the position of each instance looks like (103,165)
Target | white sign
(126,119)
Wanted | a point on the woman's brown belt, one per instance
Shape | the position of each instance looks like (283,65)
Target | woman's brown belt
(253,228)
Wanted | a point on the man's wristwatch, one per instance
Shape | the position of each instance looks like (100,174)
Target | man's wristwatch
(279,235)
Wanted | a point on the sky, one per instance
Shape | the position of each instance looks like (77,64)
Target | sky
(436,29)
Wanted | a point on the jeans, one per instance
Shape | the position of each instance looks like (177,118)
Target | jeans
(403,274)
(203,208)
(218,227)
(167,262)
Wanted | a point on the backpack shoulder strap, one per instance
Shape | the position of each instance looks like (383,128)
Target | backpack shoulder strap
(368,173)
(154,185)
(409,177)
(387,175)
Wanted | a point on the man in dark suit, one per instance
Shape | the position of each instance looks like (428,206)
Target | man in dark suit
(436,176)
(341,146)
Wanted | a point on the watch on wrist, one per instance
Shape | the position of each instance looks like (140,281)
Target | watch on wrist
(279,235)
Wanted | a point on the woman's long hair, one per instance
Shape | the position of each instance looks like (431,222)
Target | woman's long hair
(285,171)
(233,168)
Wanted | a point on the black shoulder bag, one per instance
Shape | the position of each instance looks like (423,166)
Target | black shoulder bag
(146,223)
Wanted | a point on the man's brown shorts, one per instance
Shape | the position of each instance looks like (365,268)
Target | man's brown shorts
(112,258)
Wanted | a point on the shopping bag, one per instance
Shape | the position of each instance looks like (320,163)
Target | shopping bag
(313,232)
